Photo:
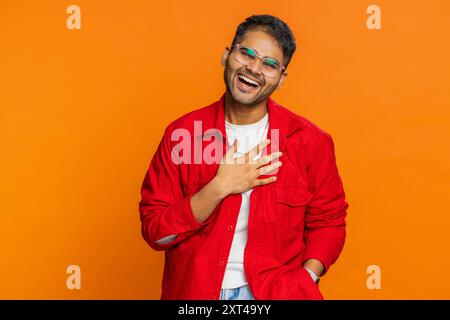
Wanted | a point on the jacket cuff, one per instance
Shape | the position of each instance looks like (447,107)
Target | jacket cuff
(320,247)
(183,218)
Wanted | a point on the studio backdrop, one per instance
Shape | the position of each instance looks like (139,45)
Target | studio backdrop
(88,87)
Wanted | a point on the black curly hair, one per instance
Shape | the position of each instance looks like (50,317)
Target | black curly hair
(273,26)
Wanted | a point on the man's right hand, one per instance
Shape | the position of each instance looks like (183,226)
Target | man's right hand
(237,175)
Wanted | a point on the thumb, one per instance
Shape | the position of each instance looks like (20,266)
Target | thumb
(229,155)
(235,145)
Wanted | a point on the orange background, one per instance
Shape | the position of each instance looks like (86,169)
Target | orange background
(82,112)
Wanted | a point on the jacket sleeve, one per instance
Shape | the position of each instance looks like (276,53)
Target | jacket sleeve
(163,209)
(325,224)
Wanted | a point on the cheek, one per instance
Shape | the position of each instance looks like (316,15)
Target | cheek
(229,72)
(232,66)
(227,75)
(270,85)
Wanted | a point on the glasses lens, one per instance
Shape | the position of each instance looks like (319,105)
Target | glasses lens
(246,55)
(270,67)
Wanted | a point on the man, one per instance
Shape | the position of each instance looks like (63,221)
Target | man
(268,219)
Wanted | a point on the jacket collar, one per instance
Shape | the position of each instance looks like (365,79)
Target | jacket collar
(279,118)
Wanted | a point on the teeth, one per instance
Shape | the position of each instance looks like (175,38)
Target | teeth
(248,80)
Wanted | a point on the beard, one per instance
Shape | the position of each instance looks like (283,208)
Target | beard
(261,94)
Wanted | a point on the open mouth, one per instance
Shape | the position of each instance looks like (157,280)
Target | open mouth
(247,83)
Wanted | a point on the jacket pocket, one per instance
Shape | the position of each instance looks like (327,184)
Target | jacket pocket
(296,284)
(311,288)
(289,202)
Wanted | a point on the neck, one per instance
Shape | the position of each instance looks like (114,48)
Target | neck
(238,113)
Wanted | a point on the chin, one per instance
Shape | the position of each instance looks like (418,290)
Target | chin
(244,98)
(240,98)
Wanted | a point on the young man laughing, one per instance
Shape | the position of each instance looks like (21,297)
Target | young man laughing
(267,219)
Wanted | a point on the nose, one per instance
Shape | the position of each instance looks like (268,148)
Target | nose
(255,66)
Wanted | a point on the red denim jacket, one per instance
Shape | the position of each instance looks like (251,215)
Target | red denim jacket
(298,217)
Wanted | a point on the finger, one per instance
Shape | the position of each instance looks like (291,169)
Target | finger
(229,156)
(240,159)
(270,157)
(262,182)
(269,168)
(256,150)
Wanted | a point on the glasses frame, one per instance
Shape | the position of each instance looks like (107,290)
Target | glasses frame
(281,67)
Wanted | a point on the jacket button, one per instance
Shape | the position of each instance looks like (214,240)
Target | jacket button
(230,227)
(221,263)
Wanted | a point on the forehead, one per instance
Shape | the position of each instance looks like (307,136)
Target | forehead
(263,43)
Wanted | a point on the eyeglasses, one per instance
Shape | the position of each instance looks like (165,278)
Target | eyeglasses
(270,67)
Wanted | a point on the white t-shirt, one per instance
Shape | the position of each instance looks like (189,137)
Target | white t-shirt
(248,136)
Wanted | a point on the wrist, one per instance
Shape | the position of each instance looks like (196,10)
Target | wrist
(314,265)
(219,188)
(314,276)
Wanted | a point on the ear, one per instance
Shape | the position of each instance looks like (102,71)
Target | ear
(225,55)
(282,79)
